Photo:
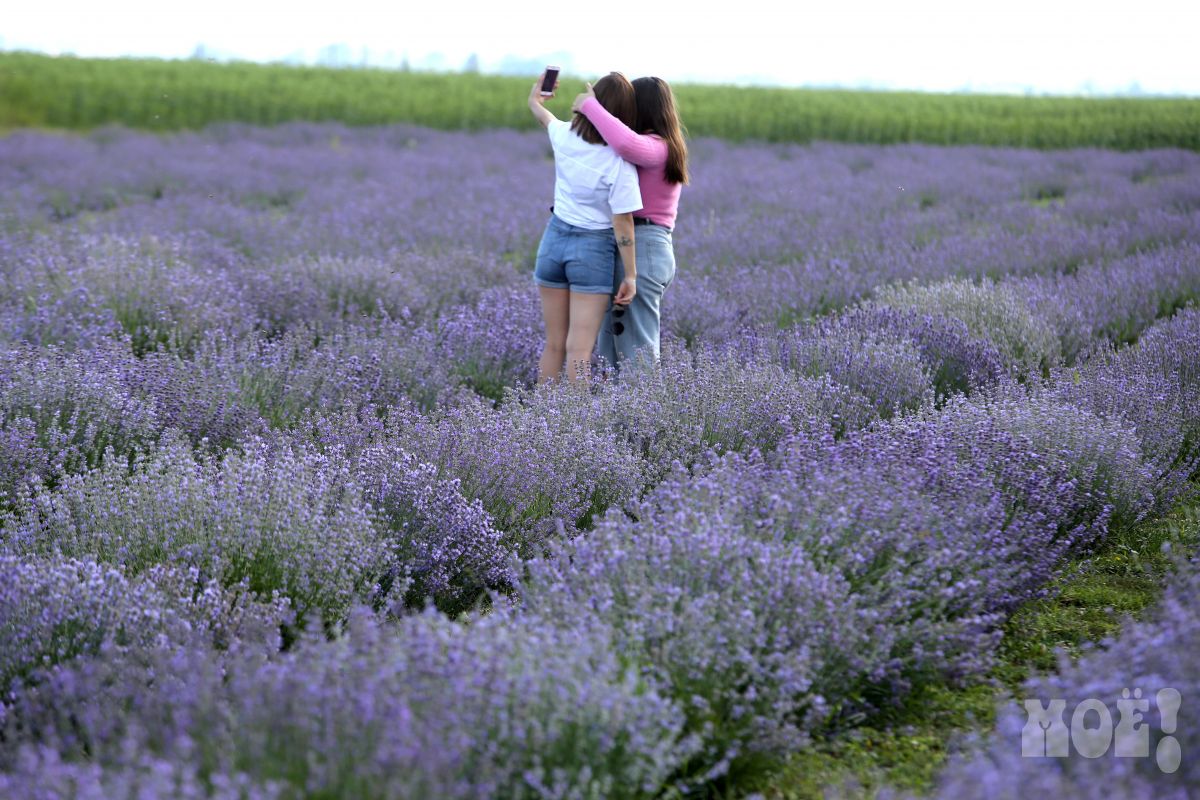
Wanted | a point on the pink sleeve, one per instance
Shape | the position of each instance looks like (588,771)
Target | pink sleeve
(636,148)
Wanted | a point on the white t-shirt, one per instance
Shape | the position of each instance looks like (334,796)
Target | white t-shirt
(591,181)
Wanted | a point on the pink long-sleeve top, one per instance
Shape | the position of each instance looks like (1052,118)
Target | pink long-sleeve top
(648,152)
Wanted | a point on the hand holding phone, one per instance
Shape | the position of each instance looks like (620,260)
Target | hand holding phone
(550,77)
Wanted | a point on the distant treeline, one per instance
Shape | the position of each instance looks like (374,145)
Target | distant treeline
(80,93)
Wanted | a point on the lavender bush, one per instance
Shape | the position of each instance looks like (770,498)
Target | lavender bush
(282,515)
(281,518)
(1102,457)
(331,288)
(304,370)
(692,403)
(1152,387)
(496,342)
(993,311)
(1115,300)
(41,773)
(535,473)
(957,362)
(737,628)
(72,407)
(1148,656)
(425,707)
(446,546)
(60,410)
(57,610)
(885,368)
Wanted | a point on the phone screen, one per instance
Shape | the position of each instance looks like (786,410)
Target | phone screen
(551,77)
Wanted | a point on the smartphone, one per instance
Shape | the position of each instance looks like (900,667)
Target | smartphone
(550,80)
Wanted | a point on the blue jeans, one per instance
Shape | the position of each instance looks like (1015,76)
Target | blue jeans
(634,332)
(579,259)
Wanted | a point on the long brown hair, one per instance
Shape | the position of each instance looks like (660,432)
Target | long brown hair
(656,113)
(615,93)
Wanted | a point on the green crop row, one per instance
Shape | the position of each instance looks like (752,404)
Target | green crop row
(67,92)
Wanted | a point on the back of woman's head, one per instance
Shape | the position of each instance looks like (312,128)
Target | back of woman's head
(615,93)
(656,113)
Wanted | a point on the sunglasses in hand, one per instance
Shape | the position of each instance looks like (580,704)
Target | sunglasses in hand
(617,313)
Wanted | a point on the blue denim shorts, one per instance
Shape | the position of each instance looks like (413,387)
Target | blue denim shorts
(579,259)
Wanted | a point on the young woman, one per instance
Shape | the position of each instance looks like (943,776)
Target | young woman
(595,191)
(656,145)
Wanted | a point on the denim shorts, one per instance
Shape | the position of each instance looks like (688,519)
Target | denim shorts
(579,259)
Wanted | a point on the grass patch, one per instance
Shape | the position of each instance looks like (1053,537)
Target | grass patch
(905,747)
(1048,194)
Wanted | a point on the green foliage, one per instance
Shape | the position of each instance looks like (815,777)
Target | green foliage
(68,92)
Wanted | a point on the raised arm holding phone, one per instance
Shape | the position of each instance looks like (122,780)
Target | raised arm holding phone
(590,231)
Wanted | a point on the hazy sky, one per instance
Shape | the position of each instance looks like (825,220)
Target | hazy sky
(1011,46)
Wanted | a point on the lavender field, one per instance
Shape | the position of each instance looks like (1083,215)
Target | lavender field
(281,514)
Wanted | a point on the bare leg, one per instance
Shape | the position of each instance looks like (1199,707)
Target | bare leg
(587,312)
(555,311)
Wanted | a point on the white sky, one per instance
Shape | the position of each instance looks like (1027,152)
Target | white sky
(1017,45)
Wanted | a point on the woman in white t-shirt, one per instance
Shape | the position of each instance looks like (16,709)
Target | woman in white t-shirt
(595,195)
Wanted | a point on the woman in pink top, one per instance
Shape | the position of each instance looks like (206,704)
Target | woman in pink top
(658,150)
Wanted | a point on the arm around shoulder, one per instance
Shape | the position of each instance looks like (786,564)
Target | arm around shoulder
(636,148)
